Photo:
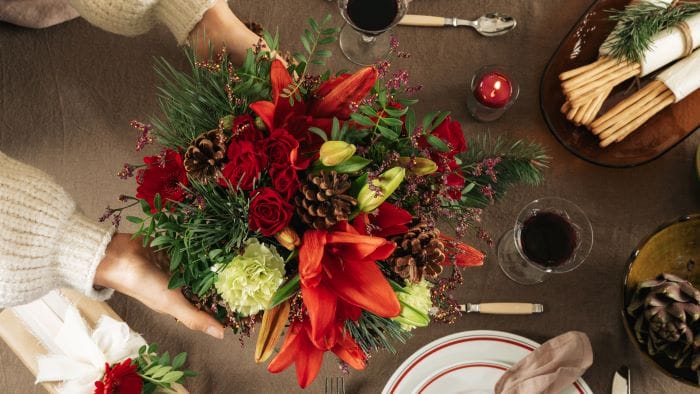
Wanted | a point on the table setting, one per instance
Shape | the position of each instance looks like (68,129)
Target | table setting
(452,197)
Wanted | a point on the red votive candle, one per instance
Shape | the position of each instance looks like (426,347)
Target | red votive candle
(492,92)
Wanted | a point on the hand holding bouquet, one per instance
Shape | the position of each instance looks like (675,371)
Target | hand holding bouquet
(311,204)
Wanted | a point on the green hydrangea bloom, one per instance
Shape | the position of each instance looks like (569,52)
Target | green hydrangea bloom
(250,280)
(415,305)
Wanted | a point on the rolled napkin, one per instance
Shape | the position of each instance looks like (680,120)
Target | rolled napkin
(550,368)
(670,86)
(587,87)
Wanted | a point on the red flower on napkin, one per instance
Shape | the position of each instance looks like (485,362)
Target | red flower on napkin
(122,378)
(164,175)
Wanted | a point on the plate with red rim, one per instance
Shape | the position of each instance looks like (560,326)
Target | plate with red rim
(459,357)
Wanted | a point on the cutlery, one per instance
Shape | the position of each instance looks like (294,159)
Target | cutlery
(621,381)
(500,308)
(335,385)
(489,25)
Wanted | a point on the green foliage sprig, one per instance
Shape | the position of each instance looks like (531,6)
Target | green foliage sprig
(373,333)
(639,22)
(160,371)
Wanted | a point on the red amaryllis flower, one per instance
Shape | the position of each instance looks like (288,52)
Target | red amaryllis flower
(385,221)
(307,358)
(164,175)
(269,212)
(333,99)
(122,378)
(341,266)
(246,162)
(461,254)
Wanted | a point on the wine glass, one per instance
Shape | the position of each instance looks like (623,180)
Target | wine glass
(361,39)
(551,235)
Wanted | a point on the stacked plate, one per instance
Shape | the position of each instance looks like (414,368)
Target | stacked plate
(466,362)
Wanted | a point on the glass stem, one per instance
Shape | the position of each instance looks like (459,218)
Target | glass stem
(368,39)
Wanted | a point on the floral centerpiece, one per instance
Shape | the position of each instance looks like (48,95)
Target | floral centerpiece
(310,202)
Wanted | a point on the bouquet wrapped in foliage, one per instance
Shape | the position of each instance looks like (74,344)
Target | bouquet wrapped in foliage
(310,203)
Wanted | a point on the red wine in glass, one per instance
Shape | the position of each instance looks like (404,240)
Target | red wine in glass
(548,239)
(372,15)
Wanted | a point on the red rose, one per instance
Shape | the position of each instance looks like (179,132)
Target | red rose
(285,180)
(122,378)
(451,132)
(245,164)
(279,147)
(455,184)
(244,129)
(164,175)
(269,212)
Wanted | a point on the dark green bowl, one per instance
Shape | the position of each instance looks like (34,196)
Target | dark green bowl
(673,248)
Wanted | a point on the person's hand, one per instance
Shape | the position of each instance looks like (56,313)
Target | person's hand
(131,269)
(220,27)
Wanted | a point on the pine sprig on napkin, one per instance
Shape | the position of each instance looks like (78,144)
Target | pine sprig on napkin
(637,24)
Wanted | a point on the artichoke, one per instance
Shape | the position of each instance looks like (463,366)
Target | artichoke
(667,313)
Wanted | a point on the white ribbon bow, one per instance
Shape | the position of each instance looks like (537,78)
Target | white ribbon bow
(78,356)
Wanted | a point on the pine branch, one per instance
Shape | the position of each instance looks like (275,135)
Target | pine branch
(374,333)
(515,162)
(639,22)
(193,102)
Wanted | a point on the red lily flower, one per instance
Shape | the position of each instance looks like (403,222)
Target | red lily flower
(385,221)
(298,348)
(462,255)
(333,99)
(338,268)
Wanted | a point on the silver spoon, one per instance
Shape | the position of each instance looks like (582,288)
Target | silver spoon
(489,25)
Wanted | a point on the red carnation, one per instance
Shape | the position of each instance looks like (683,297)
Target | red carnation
(285,180)
(122,378)
(245,164)
(269,212)
(164,175)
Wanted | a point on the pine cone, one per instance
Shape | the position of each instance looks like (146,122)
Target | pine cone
(418,253)
(322,202)
(204,157)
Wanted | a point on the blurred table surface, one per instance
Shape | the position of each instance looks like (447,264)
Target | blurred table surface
(67,94)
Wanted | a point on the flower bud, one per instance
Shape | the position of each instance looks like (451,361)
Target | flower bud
(418,166)
(259,124)
(288,238)
(368,199)
(415,305)
(226,122)
(271,328)
(335,152)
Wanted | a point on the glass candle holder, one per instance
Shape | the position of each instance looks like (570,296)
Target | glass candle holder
(491,92)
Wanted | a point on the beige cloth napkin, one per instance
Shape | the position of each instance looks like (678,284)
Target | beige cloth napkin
(36,13)
(550,368)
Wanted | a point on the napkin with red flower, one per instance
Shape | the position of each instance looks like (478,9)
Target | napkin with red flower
(73,356)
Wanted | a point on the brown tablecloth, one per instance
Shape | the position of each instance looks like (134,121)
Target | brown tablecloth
(67,94)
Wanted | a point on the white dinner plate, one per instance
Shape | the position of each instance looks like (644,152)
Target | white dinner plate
(476,377)
(463,348)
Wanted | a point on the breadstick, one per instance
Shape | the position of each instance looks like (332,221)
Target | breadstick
(580,70)
(649,91)
(638,118)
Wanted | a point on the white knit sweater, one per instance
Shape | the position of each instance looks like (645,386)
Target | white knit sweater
(44,242)
(134,17)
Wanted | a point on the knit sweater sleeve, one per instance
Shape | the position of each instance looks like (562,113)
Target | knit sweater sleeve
(134,17)
(44,242)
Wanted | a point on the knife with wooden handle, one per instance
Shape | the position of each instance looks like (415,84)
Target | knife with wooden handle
(503,308)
